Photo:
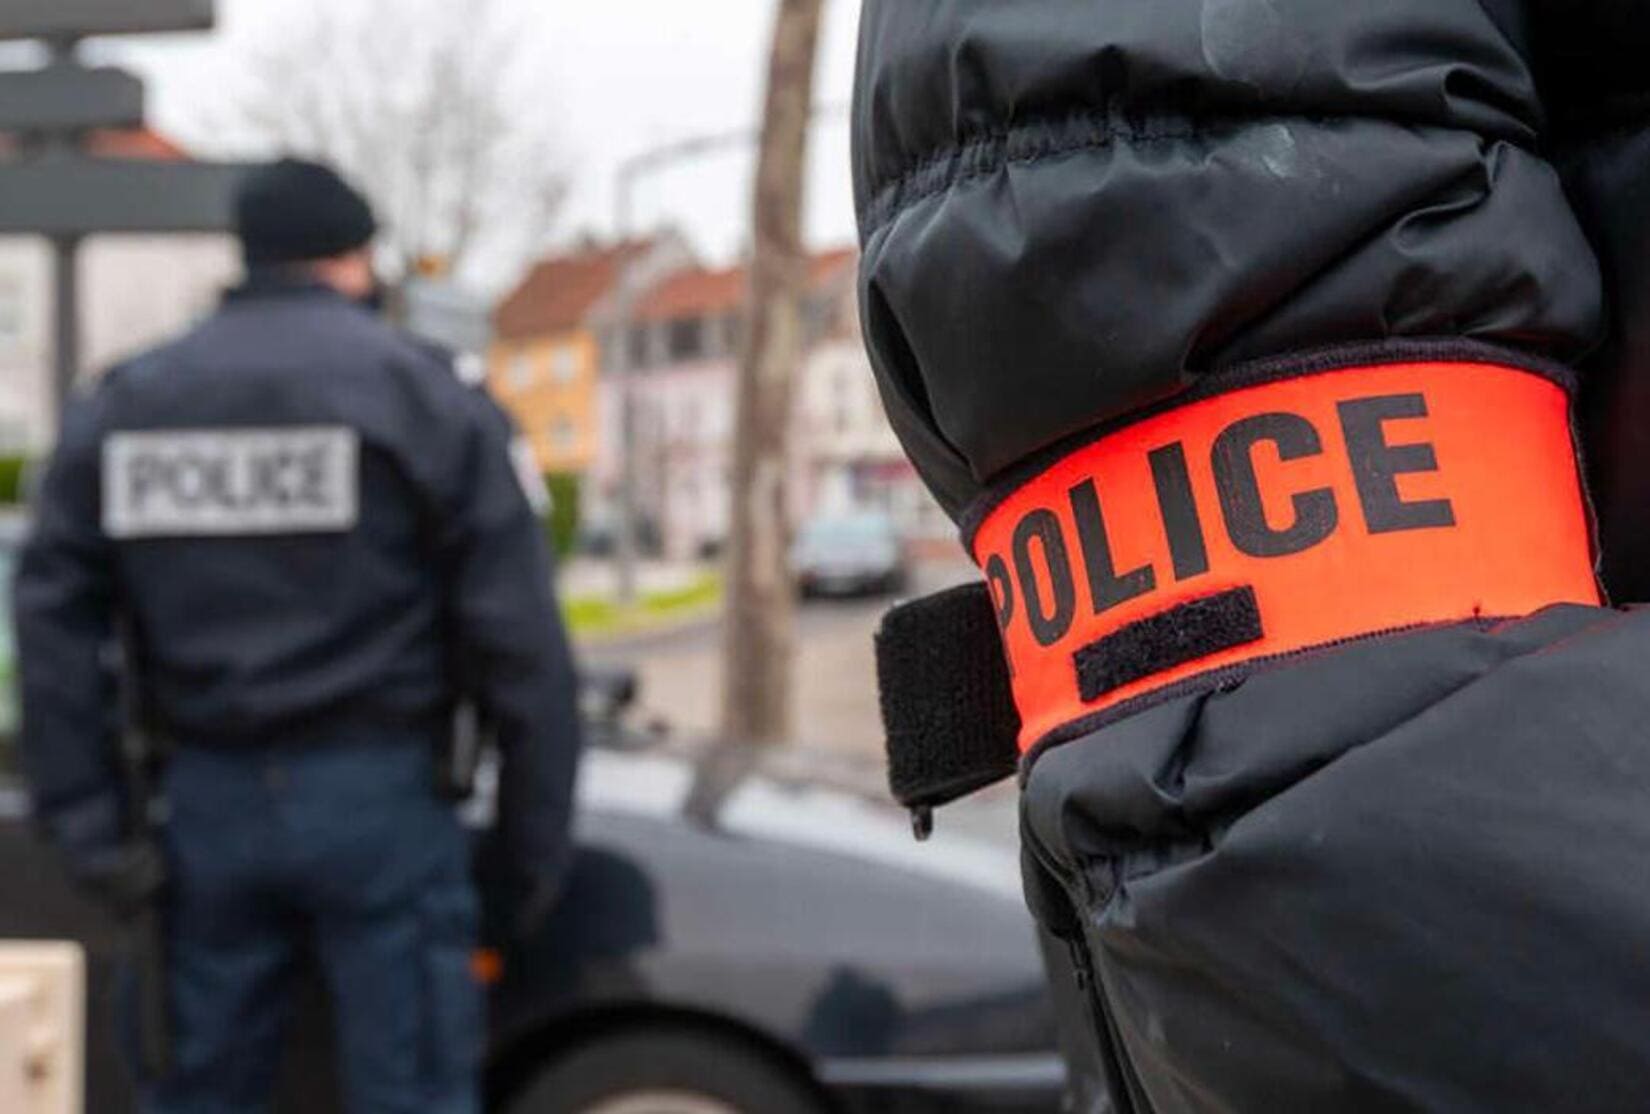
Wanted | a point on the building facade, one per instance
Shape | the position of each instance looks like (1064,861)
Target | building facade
(136,290)
(849,458)
(845,458)
(684,339)
(548,336)
(555,364)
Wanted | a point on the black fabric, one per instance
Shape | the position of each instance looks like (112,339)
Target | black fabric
(1410,874)
(1407,873)
(946,703)
(440,591)
(1182,633)
(291,211)
(1069,211)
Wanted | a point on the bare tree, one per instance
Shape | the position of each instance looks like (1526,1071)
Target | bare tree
(760,639)
(431,106)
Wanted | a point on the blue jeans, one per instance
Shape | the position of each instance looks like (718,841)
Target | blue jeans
(348,850)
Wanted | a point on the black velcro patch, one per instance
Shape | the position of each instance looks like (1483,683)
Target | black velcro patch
(1174,637)
(947,703)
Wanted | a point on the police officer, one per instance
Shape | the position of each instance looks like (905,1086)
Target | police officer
(312,541)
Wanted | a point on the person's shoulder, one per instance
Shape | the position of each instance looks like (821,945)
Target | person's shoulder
(370,343)
(361,328)
(466,369)
(453,383)
(432,365)
(146,369)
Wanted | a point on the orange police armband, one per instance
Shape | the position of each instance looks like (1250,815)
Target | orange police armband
(1279,516)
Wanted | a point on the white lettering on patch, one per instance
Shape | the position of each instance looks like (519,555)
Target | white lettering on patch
(231,482)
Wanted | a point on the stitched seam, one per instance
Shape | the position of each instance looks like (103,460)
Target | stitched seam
(1224,379)
(1219,678)
(1036,141)
(989,152)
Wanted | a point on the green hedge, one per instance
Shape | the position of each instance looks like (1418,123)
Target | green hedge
(561,525)
(14,471)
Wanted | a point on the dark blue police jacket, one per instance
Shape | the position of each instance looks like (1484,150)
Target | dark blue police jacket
(312,530)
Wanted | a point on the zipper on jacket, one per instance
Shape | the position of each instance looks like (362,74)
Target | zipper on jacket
(1118,1076)
(1121,1082)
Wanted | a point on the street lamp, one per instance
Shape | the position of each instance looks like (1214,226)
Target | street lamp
(630,172)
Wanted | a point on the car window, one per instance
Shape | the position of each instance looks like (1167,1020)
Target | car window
(848,530)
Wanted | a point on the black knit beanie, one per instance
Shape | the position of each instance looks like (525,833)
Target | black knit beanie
(293,210)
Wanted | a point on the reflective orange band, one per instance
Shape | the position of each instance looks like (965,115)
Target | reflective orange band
(1283,516)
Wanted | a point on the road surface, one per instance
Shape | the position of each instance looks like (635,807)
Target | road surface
(838,725)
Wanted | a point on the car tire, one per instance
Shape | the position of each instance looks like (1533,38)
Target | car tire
(664,1073)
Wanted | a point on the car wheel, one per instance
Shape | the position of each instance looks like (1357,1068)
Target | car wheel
(664,1073)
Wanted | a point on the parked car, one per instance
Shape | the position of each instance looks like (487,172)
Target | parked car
(801,955)
(849,554)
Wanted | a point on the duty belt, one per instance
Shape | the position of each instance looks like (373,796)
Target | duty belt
(1288,509)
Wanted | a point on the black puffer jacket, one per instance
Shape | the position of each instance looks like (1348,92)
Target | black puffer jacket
(1410,871)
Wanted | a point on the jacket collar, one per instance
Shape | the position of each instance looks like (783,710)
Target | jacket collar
(277,282)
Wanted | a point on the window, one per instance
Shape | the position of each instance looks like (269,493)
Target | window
(521,369)
(564,434)
(564,363)
(685,339)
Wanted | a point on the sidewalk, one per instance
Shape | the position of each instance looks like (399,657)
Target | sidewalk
(668,597)
(835,684)
(583,577)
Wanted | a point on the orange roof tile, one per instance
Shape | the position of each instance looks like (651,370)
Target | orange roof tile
(118,143)
(694,292)
(137,143)
(704,292)
(559,293)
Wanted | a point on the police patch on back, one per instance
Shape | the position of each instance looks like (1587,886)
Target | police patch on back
(231,482)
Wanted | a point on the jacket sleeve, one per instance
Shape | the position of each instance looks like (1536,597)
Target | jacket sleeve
(1596,89)
(1069,210)
(65,603)
(510,648)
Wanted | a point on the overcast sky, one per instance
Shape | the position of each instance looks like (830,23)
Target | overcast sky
(623,75)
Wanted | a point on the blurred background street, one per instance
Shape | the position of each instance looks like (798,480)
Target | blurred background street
(679,665)
(592,267)
(839,739)
(631,224)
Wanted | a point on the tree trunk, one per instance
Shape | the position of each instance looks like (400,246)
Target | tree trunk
(759,640)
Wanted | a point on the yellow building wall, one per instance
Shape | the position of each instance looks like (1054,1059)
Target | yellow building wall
(548,384)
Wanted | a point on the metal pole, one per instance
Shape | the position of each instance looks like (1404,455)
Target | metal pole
(66,312)
(65,267)
(624,540)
